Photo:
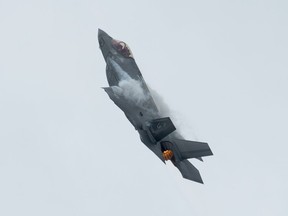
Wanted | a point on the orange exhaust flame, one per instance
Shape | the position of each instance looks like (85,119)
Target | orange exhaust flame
(167,154)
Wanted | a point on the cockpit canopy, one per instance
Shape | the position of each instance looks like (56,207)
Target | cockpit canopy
(122,48)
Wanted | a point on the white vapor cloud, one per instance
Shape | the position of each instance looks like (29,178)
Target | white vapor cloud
(129,88)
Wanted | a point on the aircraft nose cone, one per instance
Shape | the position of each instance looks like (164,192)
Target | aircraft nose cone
(102,34)
(100,31)
(105,43)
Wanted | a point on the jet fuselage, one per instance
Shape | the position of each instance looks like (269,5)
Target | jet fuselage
(130,93)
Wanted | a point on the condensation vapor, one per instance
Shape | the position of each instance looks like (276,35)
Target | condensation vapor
(165,111)
(163,108)
(130,88)
(133,90)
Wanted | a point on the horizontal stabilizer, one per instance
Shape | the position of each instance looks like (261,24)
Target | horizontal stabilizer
(192,149)
(188,171)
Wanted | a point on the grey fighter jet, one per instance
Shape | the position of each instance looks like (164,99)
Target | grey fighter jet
(128,90)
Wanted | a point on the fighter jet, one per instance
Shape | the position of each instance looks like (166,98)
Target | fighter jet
(128,90)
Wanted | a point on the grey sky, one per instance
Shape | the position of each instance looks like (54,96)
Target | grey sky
(66,149)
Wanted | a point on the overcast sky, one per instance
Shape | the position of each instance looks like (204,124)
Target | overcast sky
(66,149)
